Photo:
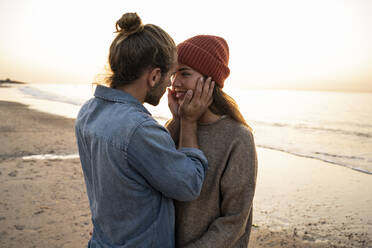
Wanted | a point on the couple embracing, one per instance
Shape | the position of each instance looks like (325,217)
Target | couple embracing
(189,183)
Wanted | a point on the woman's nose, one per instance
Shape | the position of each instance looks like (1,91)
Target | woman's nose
(176,82)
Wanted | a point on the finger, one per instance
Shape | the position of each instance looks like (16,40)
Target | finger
(208,93)
(187,99)
(211,88)
(170,96)
(199,88)
(206,87)
(170,91)
(207,84)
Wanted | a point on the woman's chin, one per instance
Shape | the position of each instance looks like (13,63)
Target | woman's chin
(179,100)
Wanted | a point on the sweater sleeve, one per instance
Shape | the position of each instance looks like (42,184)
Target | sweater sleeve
(237,188)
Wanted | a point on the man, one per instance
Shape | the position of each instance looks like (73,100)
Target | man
(131,166)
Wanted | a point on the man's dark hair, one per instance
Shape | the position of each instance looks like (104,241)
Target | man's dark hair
(138,47)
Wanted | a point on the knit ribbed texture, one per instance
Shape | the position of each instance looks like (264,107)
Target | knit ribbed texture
(206,54)
(221,217)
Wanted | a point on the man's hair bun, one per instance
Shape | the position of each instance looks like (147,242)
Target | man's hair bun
(129,23)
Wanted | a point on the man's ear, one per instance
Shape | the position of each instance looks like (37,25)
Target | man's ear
(153,77)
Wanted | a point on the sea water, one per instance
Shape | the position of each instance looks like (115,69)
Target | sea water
(335,127)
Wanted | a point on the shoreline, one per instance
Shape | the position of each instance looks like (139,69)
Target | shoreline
(318,202)
(64,109)
(316,158)
(44,203)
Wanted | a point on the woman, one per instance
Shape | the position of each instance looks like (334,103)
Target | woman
(222,215)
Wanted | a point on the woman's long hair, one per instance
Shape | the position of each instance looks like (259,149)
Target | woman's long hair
(223,104)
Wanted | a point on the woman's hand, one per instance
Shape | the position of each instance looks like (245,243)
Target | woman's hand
(173,103)
(196,103)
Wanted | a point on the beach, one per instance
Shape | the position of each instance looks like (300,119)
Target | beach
(299,202)
(312,202)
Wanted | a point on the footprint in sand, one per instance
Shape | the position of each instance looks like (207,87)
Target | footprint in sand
(19,227)
(13,173)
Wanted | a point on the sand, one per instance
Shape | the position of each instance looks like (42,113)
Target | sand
(299,202)
(43,203)
(323,204)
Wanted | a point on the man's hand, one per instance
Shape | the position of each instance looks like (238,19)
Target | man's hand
(196,103)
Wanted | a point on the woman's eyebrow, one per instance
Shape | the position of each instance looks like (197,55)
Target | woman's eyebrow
(183,69)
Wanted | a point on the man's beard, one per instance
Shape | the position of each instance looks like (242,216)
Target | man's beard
(154,95)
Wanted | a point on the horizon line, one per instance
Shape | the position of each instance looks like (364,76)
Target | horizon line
(10,81)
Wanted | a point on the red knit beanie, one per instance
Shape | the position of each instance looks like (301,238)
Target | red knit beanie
(207,54)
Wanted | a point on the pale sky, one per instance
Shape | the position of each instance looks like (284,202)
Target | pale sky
(274,44)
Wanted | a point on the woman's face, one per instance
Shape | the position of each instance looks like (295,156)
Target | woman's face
(184,79)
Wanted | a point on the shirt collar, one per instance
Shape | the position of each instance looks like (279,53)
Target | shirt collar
(114,95)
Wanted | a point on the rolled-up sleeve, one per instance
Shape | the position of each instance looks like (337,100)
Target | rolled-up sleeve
(178,174)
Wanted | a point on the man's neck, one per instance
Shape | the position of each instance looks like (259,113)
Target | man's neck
(136,89)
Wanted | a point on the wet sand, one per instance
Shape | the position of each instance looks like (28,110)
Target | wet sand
(317,203)
(299,202)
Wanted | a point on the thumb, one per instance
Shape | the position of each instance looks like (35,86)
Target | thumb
(168,91)
(169,95)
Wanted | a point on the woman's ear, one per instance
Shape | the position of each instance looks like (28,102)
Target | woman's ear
(154,77)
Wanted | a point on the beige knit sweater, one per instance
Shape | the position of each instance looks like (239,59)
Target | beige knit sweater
(222,215)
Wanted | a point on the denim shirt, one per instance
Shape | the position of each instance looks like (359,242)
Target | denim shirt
(132,171)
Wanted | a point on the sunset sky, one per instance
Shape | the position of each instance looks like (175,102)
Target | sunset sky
(274,44)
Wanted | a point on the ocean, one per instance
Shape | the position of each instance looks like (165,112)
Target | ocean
(335,127)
